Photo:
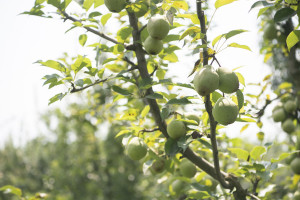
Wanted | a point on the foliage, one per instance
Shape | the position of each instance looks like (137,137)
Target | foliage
(142,99)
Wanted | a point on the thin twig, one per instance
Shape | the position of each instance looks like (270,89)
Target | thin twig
(67,16)
(253,196)
(149,130)
(74,89)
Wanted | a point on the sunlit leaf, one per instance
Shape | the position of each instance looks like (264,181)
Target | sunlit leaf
(240,153)
(220,3)
(244,128)
(293,38)
(82,39)
(54,65)
(240,98)
(11,190)
(257,151)
(284,14)
(105,18)
(236,45)
(120,90)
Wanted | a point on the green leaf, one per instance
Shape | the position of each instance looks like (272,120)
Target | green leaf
(79,82)
(38,2)
(182,101)
(87,4)
(105,18)
(190,31)
(260,4)
(98,3)
(155,96)
(220,3)
(11,190)
(245,120)
(240,153)
(57,97)
(65,4)
(215,96)
(55,3)
(172,57)
(170,38)
(256,152)
(240,98)
(233,33)
(145,111)
(241,78)
(262,11)
(165,113)
(281,157)
(94,14)
(205,143)
(124,33)
(244,128)
(236,45)
(285,85)
(171,147)
(122,132)
(82,39)
(120,90)
(217,39)
(293,38)
(80,63)
(284,14)
(54,65)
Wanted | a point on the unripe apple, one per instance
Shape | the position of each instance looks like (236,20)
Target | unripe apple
(296,196)
(158,166)
(187,168)
(206,80)
(115,5)
(193,117)
(279,115)
(228,80)
(288,126)
(178,186)
(270,32)
(225,111)
(290,106)
(176,129)
(153,46)
(136,149)
(158,27)
(279,105)
(295,165)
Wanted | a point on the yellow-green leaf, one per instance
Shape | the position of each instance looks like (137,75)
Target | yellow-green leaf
(145,111)
(220,3)
(236,45)
(257,152)
(240,153)
(105,18)
(82,39)
(181,4)
(244,128)
(293,38)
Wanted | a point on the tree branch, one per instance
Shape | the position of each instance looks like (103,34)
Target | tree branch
(253,196)
(74,89)
(68,17)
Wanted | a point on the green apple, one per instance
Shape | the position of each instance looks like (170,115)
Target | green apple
(278,106)
(115,5)
(225,111)
(153,46)
(176,129)
(290,106)
(228,80)
(158,28)
(158,166)
(178,186)
(270,32)
(136,149)
(194,118)
(187,168)
(295,165)
(288,126)
(206,80)
(279,115)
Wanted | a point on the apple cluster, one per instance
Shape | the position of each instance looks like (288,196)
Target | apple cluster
(116,6)
(284,112)
(207,80)
(158,28)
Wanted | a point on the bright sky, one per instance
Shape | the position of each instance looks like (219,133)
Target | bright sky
(26,39)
